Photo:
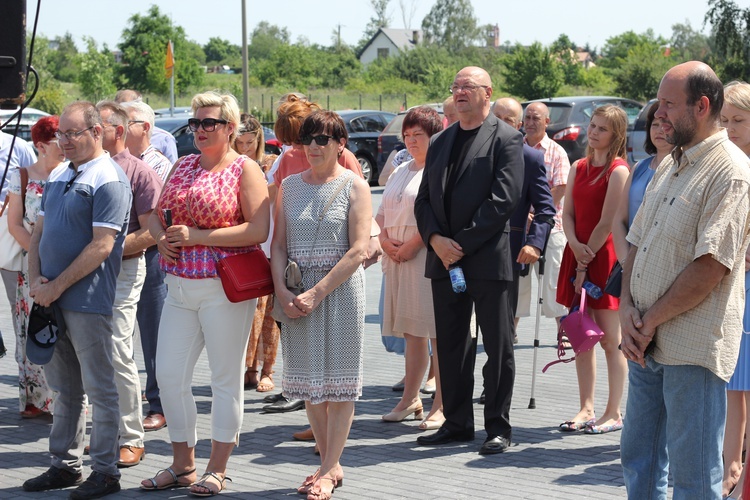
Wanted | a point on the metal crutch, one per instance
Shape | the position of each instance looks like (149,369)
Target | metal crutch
(540,269)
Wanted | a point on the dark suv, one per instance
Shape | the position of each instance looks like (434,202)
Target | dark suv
(364,127)
(570,116)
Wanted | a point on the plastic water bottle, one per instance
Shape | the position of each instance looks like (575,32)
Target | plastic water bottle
(458,282)
(592,290)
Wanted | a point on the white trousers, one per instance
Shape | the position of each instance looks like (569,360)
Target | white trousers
(196,314)
(128,292)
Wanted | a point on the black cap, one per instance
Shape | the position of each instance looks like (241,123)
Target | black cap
(46,324)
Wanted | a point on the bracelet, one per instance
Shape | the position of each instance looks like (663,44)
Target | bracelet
(582,270)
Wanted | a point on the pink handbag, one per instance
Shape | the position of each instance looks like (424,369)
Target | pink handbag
(583,333)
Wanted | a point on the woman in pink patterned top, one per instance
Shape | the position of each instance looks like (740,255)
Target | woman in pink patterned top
(219,207)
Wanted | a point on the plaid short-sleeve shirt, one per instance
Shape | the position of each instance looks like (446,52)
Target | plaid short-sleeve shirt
(697,204)
(558,167)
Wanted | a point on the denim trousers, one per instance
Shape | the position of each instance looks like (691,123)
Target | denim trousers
(151,303)
(127,293)
(674,423)
(82,365)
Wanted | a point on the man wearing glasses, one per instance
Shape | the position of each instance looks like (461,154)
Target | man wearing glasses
(74,259)
(471,184)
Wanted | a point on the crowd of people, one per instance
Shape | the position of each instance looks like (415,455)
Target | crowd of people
(117,233)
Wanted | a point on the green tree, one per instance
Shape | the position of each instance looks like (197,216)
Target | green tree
(532,72)
(730,29)
(96,72)
(301,67)
(380,19)
(264,39)
(144,48)
(63,59)
(218,50)
(616,48)
(50,96)
(451,24)
(641,71)
(688,44)
(565,50)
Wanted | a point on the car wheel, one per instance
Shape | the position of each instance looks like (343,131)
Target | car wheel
(367,167)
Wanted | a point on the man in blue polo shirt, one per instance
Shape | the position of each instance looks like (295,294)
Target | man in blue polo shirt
(74,259)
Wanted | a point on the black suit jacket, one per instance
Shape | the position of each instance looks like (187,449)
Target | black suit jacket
(536,193)
(487,189)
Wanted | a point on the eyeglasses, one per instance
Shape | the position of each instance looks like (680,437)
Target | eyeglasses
(130,122)
(320,140)
(455,89)
(70,136)
(208,124)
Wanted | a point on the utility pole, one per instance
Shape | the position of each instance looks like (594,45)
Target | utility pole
(245,84)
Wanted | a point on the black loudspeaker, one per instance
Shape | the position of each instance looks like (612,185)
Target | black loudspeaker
(12,53)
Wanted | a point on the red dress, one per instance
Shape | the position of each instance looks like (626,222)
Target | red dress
(588,201)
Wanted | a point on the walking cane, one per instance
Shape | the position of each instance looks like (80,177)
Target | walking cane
(540,269)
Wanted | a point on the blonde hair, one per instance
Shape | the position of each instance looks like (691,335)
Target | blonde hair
(227,104)
(737,93)
(617,119)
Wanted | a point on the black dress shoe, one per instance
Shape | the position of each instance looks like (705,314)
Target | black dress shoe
(492,445)
(272,398)
(444,436)
(96,486)
(53,479)
(284,405)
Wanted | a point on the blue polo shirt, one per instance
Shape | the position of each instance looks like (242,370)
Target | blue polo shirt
(74,202)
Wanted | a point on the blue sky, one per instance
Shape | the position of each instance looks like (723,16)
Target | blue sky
(520,21)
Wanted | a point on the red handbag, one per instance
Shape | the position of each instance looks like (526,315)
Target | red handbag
(583,333)
(245,276)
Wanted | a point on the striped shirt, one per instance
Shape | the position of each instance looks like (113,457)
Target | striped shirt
(697,204)
(558,167)
(157,161)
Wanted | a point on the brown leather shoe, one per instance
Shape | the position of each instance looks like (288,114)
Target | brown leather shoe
(154,421)
(130,456)
(306,435)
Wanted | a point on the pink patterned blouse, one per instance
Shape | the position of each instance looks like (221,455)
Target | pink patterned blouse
(210,199)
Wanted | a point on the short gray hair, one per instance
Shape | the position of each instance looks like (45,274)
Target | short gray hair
(142,112)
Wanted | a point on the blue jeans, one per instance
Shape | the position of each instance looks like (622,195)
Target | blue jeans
(82,365)
(674,420)
(149,314)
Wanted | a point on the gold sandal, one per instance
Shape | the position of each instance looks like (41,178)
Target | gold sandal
(202,484)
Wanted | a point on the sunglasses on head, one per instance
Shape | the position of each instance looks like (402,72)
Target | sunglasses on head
(320,140)
(208,124)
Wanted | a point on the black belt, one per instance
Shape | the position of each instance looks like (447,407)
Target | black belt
(133,256)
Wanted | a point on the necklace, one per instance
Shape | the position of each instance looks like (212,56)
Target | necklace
(407,179)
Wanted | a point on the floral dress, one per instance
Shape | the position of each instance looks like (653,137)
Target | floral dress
(33,388)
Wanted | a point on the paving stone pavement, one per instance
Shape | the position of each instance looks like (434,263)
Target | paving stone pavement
(381,460)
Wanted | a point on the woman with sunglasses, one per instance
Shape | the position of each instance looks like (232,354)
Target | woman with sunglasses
(323,224)
(35,396)
(264,334)
(213,205)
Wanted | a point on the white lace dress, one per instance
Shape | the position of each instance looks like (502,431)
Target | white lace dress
(322,352)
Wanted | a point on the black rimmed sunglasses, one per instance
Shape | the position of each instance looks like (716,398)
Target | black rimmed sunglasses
(208,124)
(320,140)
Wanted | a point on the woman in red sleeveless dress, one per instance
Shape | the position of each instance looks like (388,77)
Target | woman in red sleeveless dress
(594,189)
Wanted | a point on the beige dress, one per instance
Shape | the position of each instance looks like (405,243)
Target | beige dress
(407,305)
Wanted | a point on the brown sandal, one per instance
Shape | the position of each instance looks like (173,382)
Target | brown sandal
(264,386)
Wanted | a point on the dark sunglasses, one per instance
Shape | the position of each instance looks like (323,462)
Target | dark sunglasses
(320,140)
(208,124)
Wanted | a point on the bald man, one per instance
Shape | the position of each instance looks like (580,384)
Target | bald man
(471,184)
(535,122)
(527,240)
(682,297)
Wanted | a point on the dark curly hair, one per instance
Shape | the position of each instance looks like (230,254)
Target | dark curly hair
(44,129)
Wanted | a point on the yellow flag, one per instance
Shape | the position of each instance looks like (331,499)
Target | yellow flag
(169,63)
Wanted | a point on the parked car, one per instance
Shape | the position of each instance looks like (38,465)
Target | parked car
(28,118)
(364,128)
(177,126)
(637,137)
(390,137)
(570,116)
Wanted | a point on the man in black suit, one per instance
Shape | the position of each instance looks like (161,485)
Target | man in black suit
(527,245)
(471,184)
